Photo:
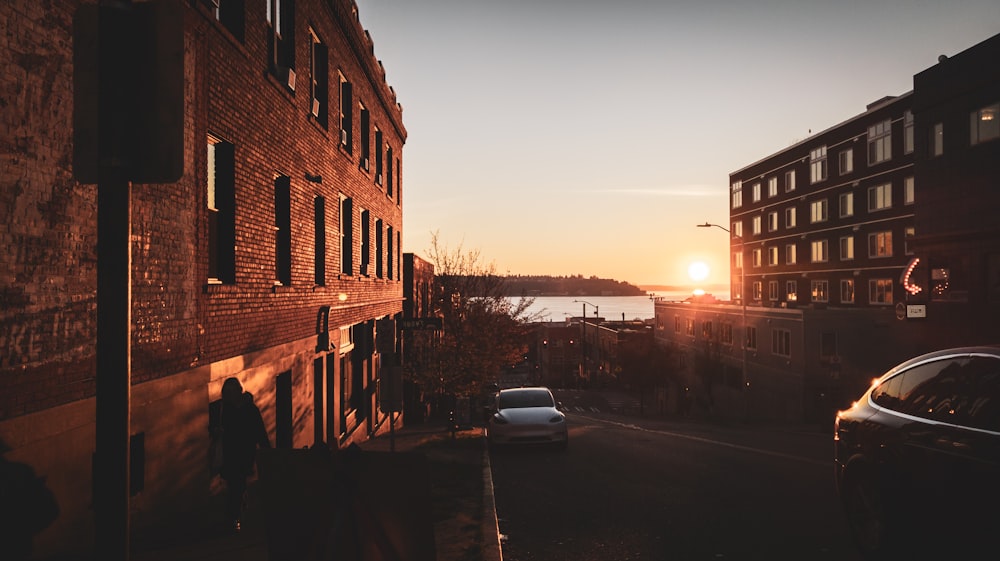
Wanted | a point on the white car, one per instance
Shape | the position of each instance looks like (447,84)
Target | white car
(527,416)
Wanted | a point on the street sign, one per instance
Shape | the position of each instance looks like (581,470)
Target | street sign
(916,311)
(420,324)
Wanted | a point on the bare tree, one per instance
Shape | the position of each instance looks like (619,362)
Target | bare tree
(483,329)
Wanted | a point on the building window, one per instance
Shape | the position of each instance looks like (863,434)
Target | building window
(817,165)
(756,229)
(880,142)
(378,156)
(772,290)
(281,40)
(399,183)
(706,329)
(908,192)
(984,124)
(737,229)
(880,197)
(283,230)
(880,244)
(790,217)
(346,115)
(818,211)
(772,187)
(847,248)
(756,257)
(846,161)
(908,233)
(772,255)
(319,241)
(726,333)
(755,192)
(379,247)
(757,290)
(791,290)
(880,291)
(388,253)
(847,291)
(772,221)
(346,235)
(320,81)
(388,171)
(790,254)
(819,253)
(738,260)
(751,341)
(846,204)
(737,194)
(221,211)
(677,324)
(689,327)
(365,137)
(820,291)
(366,242)
(907,132)
(781,342)
(789,181)
(937,139)
(232,15)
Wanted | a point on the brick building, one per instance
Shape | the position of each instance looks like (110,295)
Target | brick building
(856,248)
(276,258)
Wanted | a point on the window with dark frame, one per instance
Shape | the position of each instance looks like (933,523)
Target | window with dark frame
(283,230)
(281,40)
(320,80)
(346,235)
(231,14)
(365,242)
(365,138)
(346,115)
(319,241)
(221,211)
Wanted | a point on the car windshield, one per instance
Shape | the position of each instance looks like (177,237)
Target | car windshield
(514,400)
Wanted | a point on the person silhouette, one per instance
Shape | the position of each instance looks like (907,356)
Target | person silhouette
(242,432)
(27,507)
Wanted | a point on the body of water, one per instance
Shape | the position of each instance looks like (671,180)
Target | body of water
(611,308)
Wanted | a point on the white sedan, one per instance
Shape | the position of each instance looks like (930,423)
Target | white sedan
(527,416)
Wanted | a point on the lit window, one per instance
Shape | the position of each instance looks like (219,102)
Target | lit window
(820,290)
(984,124)
(755,189)
(880,244)
(790,254)
(880,142)
(756,225)
(908,192)
(880,197)
(772,221)
(756,257)
(758,290)
(772,255)
(737,229)
(847,291)
(818,211)
(880,291)
(772,187)
(737,194)
(846,204)
(791,290)
(847,248)
(819,251)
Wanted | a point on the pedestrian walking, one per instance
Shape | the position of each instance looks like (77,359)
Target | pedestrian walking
(243,432)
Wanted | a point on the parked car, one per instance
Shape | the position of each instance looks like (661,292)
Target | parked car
(918,458)
(527,416)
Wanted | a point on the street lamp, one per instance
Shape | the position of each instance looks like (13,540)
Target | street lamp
(583,338)
(743,304)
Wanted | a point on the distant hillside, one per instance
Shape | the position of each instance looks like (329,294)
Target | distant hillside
(569,286)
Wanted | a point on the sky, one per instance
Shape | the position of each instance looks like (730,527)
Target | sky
(589,137)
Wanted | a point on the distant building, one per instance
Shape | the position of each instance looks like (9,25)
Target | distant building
(275,259)
(852,250)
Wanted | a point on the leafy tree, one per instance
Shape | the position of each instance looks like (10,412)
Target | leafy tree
(483,330)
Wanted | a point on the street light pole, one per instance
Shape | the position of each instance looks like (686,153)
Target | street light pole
(743,305)
(583,341)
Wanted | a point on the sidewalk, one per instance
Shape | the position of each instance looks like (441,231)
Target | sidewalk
(454,536)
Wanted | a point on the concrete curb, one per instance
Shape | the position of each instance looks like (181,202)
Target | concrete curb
(491,527)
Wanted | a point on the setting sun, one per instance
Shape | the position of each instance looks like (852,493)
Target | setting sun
(698,271)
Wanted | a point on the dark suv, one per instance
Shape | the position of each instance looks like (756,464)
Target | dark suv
(918,458)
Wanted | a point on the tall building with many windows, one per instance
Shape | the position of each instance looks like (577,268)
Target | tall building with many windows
(275,258)
(852,250)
